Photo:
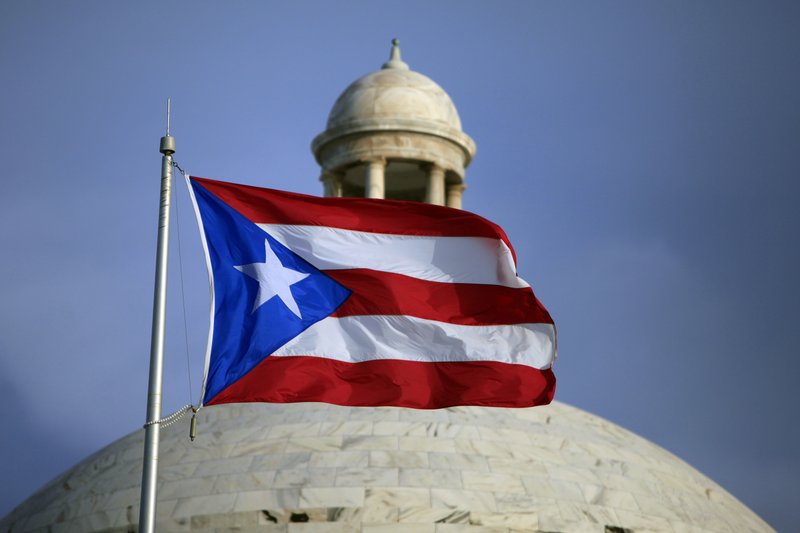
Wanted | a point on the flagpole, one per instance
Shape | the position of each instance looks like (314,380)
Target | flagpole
(147,509)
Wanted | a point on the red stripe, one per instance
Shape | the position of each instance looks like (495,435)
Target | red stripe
(385,293)
(391,382)
(270,206)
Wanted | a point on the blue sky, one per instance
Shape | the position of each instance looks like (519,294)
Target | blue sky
(644,158)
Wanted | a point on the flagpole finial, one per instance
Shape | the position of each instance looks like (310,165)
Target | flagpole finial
(395,61)
(167,146)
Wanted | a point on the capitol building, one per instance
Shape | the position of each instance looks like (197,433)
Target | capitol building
(307,467)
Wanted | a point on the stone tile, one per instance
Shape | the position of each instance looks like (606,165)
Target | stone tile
(331,497)
(134,454)
(281,461)
(639,522)
(551,519)
(653,506)
(306,514)
(458,431)
(467,500)
(367,477)
(362,442)
(230,433)
(91,503)
(370,514)
(378,513)
(485,481)
(320,527)
(599,495)
(171,472)
(398,528)
(352,459)
(170,455)
(458,461)
(683,527)
(256,500)
(522,521)
(425,415)
(224,466)
(349,515)
(522,503)
(504,465)
(261,528)
(423,477)
(398,497)
(183,488)
(459,528)
(305,477)
(173,525)
(553,488)
(99,521)
(244,482)
(505,435)
(107,484)
(314,444)
(426,444)
(600,449)
(374,414)
(565,490)
(552,524)
(283,431)
(483,448)
(228,520)
(430,515)
(636,486)
(541,455)
(398,458)
(581,476)
(347,427)
(442,430)
(716,522)
(217,503)
(581,512)
(123,498)
(263,447)
(400,429)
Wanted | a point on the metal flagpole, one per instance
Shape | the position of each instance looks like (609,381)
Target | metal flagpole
(147,509)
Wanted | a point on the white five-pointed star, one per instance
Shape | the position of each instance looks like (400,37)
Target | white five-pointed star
(273,279)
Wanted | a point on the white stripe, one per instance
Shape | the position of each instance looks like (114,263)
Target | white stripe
(363,338)
(444,259)
(210,283)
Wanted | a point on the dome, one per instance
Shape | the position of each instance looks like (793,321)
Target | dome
(317,467)
(374,110)
(394,94)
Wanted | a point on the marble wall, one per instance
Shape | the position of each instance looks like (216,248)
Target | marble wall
(321,468)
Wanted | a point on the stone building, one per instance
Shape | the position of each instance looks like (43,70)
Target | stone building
(307,467)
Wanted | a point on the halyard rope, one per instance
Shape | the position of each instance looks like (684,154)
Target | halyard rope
(177,415)
(183,292)
(174,417)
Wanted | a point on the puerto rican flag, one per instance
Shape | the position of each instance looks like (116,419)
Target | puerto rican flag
(360,302)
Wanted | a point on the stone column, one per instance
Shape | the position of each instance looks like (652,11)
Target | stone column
(434,194)
(375,186)
(454,193)
(332,183)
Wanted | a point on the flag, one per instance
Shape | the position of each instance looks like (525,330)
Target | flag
(356,301)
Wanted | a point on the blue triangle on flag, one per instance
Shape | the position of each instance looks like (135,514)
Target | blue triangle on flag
(244,336)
